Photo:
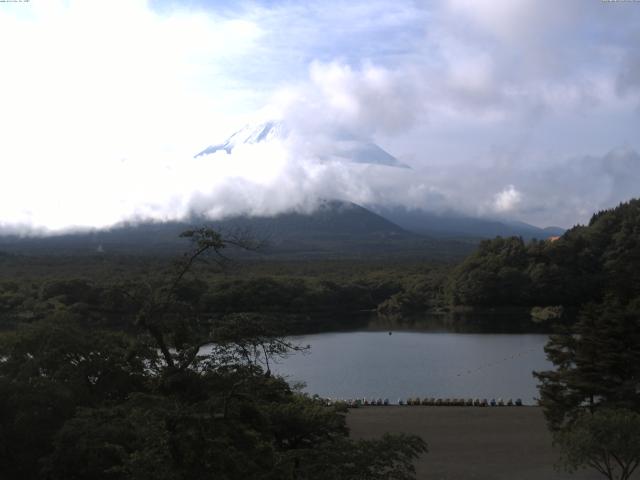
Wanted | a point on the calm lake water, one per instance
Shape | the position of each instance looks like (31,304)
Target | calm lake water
(412,363)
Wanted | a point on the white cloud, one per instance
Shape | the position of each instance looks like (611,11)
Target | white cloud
(513,20)
(83,74)
(96,95)
(507,200)
(104,104)
(368,99)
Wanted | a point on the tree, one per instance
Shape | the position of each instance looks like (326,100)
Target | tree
(390,458)
(592,399)
(597,363)
(493,275)
(584,265)
(178,395)
(607,440)
(51,368)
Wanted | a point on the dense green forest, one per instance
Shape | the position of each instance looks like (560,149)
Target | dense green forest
(307,295)
(583,265)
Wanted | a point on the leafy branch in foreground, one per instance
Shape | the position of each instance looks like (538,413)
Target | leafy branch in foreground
(173,323)
(390,458)
(607,440)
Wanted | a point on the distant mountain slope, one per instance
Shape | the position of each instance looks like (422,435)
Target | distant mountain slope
(335,229)
(451,225)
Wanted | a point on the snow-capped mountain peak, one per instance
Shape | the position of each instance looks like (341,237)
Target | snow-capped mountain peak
(249,134)
(322,145)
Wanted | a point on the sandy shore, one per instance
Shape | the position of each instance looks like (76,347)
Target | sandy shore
(471,442)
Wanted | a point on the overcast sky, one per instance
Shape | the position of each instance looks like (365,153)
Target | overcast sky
(523,109)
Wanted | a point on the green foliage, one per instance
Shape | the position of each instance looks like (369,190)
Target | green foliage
(81,404)
(50,368)
(69,291)
(546,314)
(493,275)
(607,440)
(585,264)
(597,363)
(309,295)
(138,380)
(591,400)
(387,459)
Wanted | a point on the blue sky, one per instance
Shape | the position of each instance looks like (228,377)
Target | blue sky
(524,109)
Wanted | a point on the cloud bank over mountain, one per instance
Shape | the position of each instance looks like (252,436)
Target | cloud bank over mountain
(509,108)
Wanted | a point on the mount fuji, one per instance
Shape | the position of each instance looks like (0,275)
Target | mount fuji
(335,146)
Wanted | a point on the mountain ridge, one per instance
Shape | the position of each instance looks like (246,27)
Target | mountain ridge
(335,228)
(454,225)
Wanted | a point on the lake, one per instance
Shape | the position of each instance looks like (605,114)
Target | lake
(413,363)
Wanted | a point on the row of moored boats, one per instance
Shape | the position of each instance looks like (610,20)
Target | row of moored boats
(432,402)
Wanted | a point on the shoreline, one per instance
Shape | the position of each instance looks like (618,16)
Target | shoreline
(470,442)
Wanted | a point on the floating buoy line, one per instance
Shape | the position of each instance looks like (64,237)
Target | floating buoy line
(506,359)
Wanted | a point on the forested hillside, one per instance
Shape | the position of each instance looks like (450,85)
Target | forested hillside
(334,230)
(585,264)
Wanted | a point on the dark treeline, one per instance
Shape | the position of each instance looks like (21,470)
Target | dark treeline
(584,265)
(308,295)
